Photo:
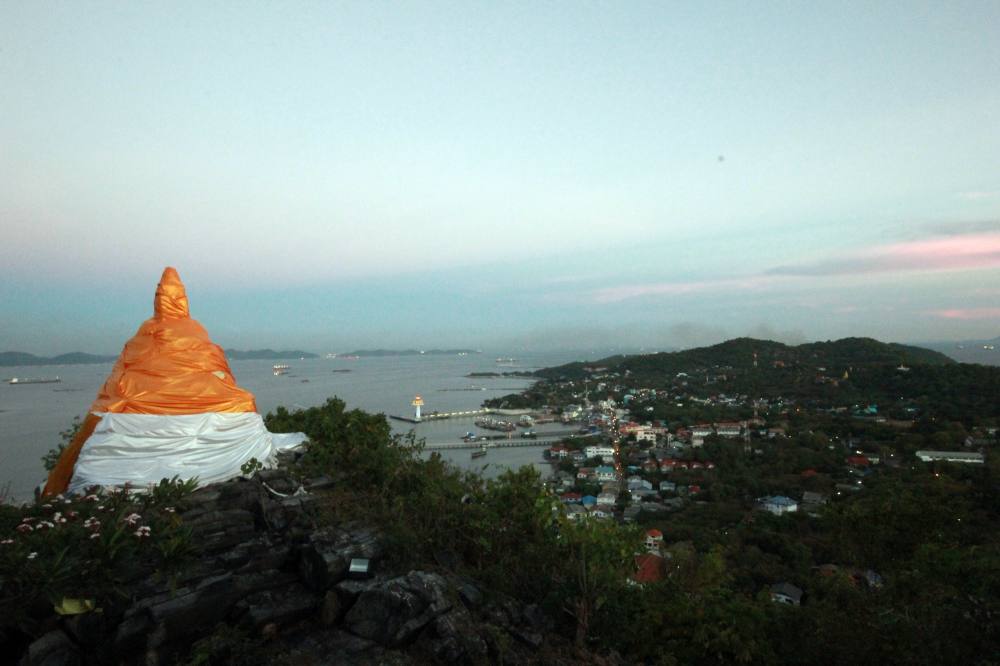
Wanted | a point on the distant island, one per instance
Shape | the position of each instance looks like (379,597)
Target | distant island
(14,358)
(410,352)
(267,354)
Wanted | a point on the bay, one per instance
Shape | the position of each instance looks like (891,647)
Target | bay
(33,415)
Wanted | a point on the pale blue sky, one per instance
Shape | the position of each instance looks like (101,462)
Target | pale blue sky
(333,175)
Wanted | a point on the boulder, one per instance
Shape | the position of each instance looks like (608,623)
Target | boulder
(324,561)
(279,606)
(393,612)
(51,649)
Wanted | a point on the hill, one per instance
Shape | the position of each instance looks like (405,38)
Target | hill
(14,358)
(268,354)
(743,353)
(410,352)
(902,381)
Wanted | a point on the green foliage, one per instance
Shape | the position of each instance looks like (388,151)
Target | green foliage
(251,467)
(86,546)
(51,457)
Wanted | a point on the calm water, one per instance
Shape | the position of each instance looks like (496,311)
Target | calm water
(32,416)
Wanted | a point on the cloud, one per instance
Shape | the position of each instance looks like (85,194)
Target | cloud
(979,195)
(967,313)
(957,252)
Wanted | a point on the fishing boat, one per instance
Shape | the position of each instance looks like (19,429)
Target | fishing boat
(480,452)
(280,369)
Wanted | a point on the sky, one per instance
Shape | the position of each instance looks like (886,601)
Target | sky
(329,176)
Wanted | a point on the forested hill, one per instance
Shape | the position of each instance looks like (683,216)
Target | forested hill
(743,353)
(13,358)
(267,354)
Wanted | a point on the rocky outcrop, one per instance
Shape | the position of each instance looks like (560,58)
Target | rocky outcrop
(265,565)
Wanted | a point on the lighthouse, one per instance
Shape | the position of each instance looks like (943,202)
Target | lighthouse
(417,404)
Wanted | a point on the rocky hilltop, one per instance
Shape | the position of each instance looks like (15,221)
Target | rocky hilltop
(269,584)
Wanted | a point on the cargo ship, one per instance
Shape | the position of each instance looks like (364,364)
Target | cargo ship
(15,381)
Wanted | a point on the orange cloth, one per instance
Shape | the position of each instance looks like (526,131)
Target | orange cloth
(62,473)
(171,366)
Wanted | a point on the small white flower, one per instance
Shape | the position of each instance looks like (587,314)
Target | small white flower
(131,519)
(95,535)
(24,528)
(143,532)
(46,506)
(100,507)
(67,501)
(91,498)
(32,556)
(6,542)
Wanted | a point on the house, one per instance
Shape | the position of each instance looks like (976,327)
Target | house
(709,465)
(649,569)
(645,435)
(694,489)
(584,472)
(650,465)
(667,465)
(732,430)
(571,498)
(779,505)
(654,540)
(857,461)
(558,451)
(668,487)
(588,500)
(602,511)
(639,484)
(575,512)
(603,452)
(697,465)
(786,593)
(607,498)
(631,513)
(606,473)
(951,456)
(812,501)
(701,431)
(640,494)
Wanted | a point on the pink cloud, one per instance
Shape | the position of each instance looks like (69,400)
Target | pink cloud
(961,252)
(968,313)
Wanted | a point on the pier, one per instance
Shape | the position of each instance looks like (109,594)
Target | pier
(498,442)
(437,416)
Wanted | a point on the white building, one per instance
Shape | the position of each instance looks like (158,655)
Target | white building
(951,456)
(599,451)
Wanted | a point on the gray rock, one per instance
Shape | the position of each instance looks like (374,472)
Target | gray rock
(52,649)
(87,629)
(470,595)
(195,612)
(324,561)
(393,612)
(332,608)
(458,638)
(280,607)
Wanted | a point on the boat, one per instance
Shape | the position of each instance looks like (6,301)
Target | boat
(525,421)
(490,423)
(280,369)
(16,381)
(480,452)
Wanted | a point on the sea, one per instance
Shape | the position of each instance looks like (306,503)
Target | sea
(32,416)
